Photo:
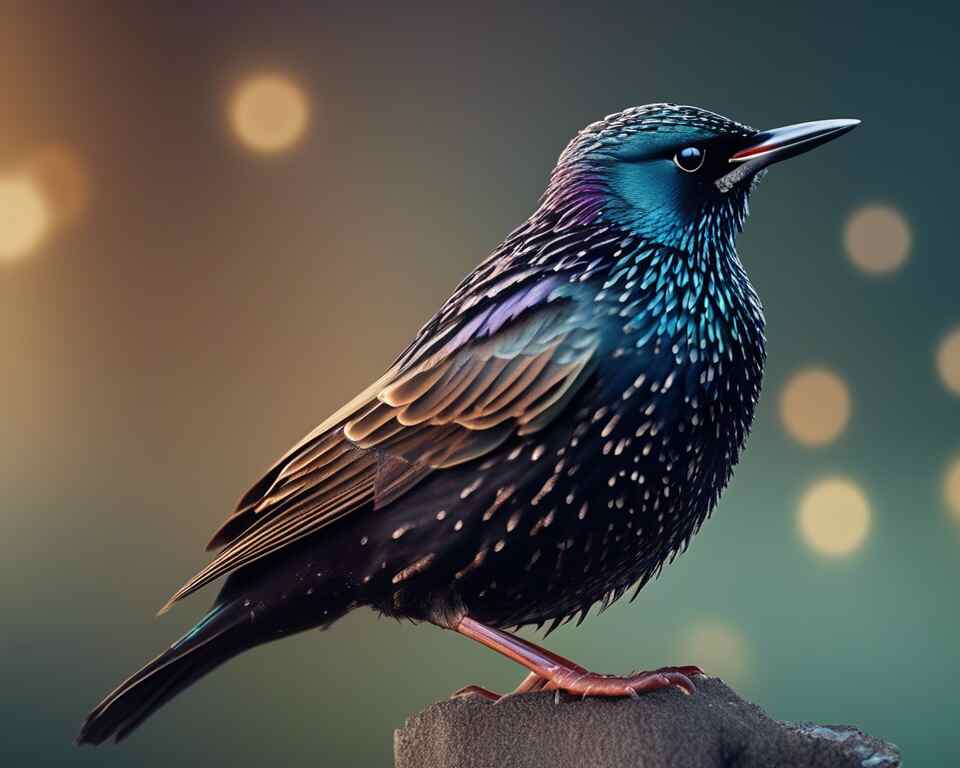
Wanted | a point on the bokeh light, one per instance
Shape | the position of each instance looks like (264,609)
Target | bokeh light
(24,216)
(269,113)
(719,648)
(951,489)
(948,361)
(63,177)
(815,406)
(834,517)
(877,238)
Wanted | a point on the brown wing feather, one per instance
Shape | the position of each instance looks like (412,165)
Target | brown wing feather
(313,451)
(454,407)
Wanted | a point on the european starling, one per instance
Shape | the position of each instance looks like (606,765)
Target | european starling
(554,435)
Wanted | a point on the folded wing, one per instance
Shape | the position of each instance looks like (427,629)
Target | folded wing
(431,411)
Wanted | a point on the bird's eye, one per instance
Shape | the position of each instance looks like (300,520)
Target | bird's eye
(689,159)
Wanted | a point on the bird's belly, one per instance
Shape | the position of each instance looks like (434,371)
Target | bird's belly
(558,520)
(612,515)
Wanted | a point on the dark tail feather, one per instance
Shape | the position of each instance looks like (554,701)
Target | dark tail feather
(223,633)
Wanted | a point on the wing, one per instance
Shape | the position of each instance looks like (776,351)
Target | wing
(438,406)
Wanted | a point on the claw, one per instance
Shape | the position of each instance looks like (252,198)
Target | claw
(690,670)
(681,682)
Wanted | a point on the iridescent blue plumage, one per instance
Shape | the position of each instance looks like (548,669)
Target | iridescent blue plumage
(552,436)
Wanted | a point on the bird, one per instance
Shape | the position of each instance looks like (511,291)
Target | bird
(550,439)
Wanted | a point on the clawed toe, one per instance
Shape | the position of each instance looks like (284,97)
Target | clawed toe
(476,690)
(681,682)
(690,670)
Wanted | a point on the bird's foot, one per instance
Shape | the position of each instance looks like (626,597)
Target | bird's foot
(551,672)
(585,683)
(579,682)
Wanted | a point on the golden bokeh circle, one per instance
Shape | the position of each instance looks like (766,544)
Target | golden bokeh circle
(718,647)
(815,406)
(64,179)
(269,113)
(951,489)
(834,517)
(877,238)
(24,217)
(948,361)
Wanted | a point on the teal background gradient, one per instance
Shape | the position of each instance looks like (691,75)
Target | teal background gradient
(213,305)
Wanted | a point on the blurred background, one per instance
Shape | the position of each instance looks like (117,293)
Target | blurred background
(218,221)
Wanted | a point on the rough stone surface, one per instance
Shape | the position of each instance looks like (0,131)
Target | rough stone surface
(715,727)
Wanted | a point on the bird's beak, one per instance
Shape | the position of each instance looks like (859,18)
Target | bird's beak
(767,147)
(781,143)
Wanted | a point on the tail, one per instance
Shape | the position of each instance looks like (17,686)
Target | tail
(224,632)
(257,604)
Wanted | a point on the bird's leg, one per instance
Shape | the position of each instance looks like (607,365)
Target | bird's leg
(553,672)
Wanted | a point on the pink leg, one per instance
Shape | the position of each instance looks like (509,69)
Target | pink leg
(558,673)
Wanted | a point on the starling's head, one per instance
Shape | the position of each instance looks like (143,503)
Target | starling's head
(673,174)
